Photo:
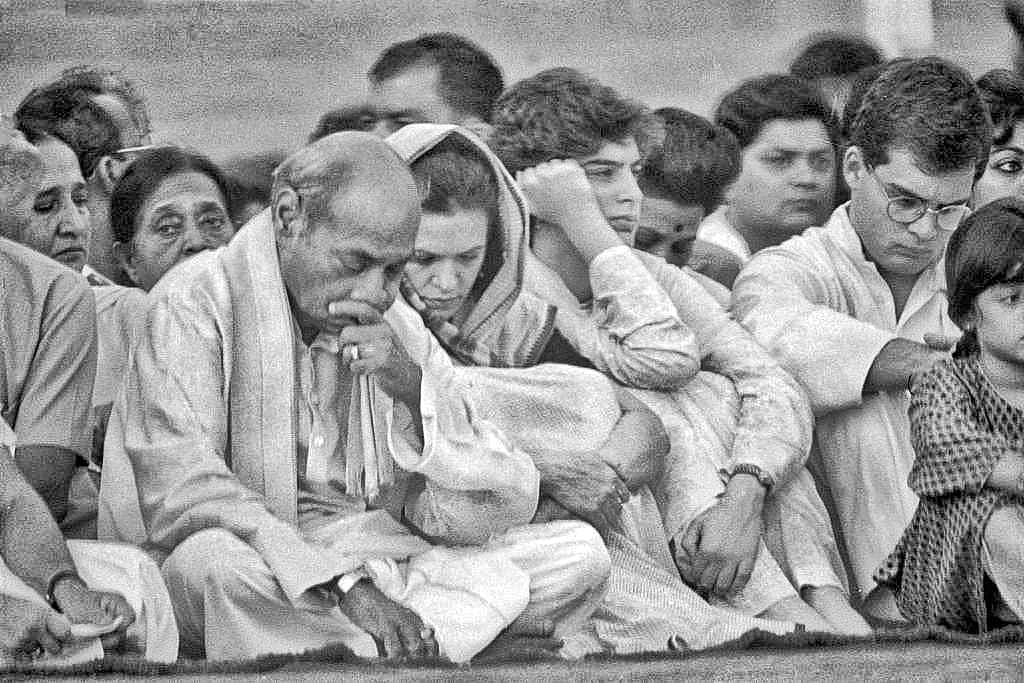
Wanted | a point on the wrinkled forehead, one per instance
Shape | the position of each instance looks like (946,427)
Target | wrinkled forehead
(382,214)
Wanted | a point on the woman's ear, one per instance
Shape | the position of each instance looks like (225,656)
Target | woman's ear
(124,255)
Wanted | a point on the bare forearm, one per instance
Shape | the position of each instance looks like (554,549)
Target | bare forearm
(897,362)
(30,541)
(746,488)
(48,469)
(590,233)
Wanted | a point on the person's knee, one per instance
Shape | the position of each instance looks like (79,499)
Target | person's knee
(212,558)
(584,552)
(1005,527)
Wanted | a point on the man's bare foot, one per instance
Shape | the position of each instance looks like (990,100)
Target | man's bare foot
(795,609)
(832,604)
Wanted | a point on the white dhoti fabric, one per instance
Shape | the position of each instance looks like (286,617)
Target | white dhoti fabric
(227,598)
(647,606)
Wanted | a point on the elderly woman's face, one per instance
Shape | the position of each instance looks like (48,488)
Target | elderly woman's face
(186,214)
(1004,173)
(59,221)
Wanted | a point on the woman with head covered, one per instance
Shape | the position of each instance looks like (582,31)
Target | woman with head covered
(466,280)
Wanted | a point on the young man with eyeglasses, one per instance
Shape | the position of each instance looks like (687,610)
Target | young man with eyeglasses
(856,309)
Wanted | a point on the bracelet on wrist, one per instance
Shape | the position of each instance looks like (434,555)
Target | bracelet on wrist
(51,586)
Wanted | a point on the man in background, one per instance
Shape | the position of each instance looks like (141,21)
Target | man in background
(435,78)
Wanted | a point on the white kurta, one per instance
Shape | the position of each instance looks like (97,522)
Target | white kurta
(725,402)
(825,312)
(207,424)
(716,229)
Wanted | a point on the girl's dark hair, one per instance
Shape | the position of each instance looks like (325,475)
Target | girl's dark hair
(1002,92)
(454,175)
(987,249)
(145,174)
(561,113)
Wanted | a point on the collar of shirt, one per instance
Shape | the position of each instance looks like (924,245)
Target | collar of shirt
(717,229)
(933,277)
(929,284)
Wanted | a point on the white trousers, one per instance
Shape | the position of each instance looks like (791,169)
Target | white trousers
(230,606)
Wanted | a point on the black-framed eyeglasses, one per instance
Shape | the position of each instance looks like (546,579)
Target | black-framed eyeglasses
(906,210)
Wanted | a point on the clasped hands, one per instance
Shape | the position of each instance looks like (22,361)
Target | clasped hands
(717,552)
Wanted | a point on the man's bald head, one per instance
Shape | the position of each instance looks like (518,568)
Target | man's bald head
(345,211)
(347,167)
(21,172)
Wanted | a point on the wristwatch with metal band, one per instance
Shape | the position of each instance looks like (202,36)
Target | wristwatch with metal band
(763,477)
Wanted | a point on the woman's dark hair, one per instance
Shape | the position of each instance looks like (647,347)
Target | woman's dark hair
(145,174)
(454,175)
(561,113)
(987,249)
(1002,92)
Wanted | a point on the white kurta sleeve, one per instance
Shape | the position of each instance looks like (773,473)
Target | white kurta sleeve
(636,335)
(790,306)
(477,482)
(774,426)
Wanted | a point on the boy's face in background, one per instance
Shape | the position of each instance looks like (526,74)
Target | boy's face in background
(665,223)
(786,179)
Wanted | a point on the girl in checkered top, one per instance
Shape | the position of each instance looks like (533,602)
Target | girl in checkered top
(960,562)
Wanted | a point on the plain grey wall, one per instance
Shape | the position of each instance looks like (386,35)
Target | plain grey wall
(236,77)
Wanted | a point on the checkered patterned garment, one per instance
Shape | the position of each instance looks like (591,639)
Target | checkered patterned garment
(960,427)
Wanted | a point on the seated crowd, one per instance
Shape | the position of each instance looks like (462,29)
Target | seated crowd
(487,367)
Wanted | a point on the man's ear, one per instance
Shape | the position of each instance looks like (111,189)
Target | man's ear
(287,213)
(109,170)
(123,256)
(854,168)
